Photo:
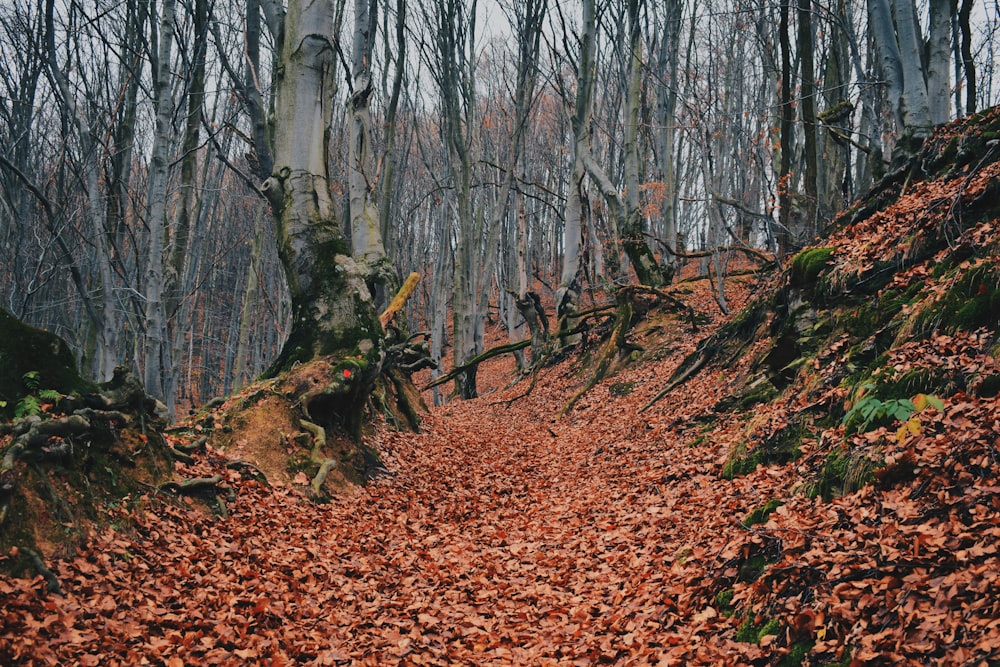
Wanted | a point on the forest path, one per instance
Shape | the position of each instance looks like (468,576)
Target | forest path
(499,537)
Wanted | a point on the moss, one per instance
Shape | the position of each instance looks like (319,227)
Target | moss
(842,473)
(752,567)
(751,633)
(724,602)
(763,393)
(972,302)
(797,654)
(740,461)
(25,349)
(760,514)
(621,388)
(913,382)
(808,264)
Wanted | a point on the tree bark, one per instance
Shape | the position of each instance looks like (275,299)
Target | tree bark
(332,309)
(157,365)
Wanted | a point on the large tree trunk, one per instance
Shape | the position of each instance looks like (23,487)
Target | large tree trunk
(332,309)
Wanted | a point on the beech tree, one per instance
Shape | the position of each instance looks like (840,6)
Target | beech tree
(332,308)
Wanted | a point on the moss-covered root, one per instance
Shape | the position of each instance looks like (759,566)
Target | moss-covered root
(608,353)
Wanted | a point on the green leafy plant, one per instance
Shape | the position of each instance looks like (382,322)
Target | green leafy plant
(31,404)
(870,412)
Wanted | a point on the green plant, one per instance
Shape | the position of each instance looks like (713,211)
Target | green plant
(31,380)
(871,412)
(31,404)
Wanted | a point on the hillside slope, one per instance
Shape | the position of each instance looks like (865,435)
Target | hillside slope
(818,487)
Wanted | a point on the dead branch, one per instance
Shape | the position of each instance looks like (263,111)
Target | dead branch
(489,354)
(399,300)
(614,343)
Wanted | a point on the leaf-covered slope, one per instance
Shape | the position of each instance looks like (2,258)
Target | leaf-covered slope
(738,520)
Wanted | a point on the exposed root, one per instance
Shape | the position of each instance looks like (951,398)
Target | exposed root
(192,487)
(324,470)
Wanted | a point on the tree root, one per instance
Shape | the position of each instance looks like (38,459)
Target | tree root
(324,470)
(32,438)
(192,487)
(608,353)
(678,381)
(255,472)
(318,434)
(52,584)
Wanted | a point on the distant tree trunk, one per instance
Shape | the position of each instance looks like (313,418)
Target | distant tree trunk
(968,64)
(103,320)
(158,367)
(647,270)
(387,182)
(785,137)
(896,33)
(332,309)
(808,106)
(666,106)
(568,292)
(939,61)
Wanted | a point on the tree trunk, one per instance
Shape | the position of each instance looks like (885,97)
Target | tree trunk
(332,309)
(366,233)
(808,118)
(647,270)
(939,61)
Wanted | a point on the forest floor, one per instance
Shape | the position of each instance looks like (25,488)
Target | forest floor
(500,535)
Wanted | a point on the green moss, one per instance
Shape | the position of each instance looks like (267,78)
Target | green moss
(740,461)
(760,514)
(26,350)
(621,388)
(724,602)
(842,473)
(796,654)
(808,264)
(752,567)
(972,302)
(750,633)
(763,393)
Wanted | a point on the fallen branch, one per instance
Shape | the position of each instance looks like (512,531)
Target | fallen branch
(489,354)
(614,343)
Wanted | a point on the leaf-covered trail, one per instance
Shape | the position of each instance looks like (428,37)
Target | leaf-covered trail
(500,537)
